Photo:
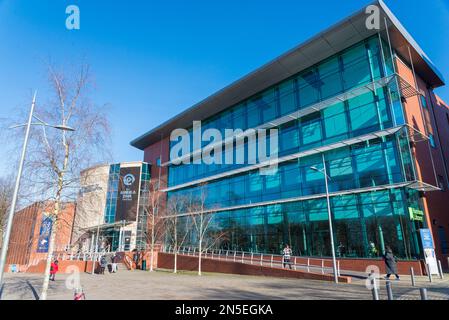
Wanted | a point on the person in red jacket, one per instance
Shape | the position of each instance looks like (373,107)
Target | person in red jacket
(53,270)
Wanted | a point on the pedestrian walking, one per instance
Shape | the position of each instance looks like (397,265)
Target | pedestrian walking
(390,263)
(136,258)
(287,253)
(54,267)
(114,260)
(103,264)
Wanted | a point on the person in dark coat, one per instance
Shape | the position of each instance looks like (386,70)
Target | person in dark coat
(390,263)
(103,264)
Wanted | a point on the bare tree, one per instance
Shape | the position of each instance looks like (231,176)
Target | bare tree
(56,157)
(177,229)
(202,221)
(6,190)
(156,217)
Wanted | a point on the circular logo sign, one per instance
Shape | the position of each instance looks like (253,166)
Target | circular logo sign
(129,179)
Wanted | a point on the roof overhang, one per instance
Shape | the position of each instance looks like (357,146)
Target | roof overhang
(325,44)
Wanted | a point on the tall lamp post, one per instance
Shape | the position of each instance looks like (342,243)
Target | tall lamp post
(331,231)
(19,175)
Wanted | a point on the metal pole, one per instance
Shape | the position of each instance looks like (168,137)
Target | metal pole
(331,231)
(423,293)
(412,274)
(374,290)
(440,269)
(96,247)
(429,274)
(389,291)
(15,194)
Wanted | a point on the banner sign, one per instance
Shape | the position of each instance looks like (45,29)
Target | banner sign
(429,250)
(426,238)
(44,234)
(128,194)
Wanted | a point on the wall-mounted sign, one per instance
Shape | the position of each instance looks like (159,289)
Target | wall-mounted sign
(128,194)
(44,234)
(416,214)
(429,250)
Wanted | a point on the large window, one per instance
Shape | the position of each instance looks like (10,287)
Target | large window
(364,224)
(351,68)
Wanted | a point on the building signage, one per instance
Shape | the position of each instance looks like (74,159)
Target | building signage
(44,234)
(128,194)
(429,250)
(416,214)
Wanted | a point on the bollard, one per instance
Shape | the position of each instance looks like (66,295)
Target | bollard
(412,275)
(308,264)
(234,255)
(295,263)
(374,290)
(322,266)
(338,268)
(429,274)
(252,256)
(243,255)
(271,263)
(440,269)
(389,291)
(423,293)
(261,259)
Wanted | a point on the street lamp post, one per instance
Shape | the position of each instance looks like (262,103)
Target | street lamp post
(329,213)
(19,175)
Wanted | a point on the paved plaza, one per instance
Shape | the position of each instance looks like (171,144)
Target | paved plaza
(164,285)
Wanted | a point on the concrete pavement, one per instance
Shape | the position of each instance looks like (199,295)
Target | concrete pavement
(164,285)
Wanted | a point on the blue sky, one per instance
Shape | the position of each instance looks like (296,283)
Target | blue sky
(153,59)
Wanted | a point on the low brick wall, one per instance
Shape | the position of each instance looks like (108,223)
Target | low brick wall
(190,263)
(83,266)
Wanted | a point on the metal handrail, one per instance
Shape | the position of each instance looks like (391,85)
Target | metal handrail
(263,259)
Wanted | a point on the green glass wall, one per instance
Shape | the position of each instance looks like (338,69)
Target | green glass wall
(361,222)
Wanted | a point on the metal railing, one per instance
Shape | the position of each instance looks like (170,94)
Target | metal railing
(308,264)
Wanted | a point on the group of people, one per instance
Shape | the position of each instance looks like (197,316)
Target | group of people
(104,264)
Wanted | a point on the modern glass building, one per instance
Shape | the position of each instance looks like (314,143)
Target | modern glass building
(111,207)
(356,97)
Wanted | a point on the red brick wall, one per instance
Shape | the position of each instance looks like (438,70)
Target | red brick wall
(26,228)
(160,149)
(190,263)
(430,120)
(83,266)
(22,234)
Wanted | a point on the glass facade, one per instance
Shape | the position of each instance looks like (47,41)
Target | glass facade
(113,234)
(289,206)
(360,220)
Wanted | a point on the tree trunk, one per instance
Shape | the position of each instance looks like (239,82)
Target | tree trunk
(200,249)
(51,247)
(175,269)
(152,243)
